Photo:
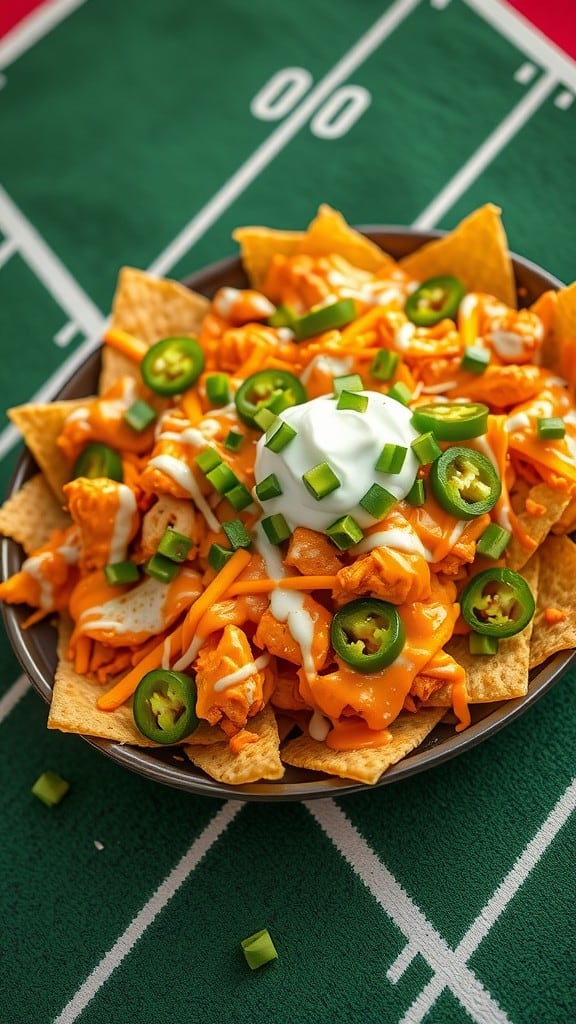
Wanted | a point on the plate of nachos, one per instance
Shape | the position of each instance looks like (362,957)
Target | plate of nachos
(302,524)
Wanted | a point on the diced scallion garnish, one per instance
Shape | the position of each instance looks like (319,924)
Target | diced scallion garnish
(344,532)
(50,788)
(276,528)
(218,556)
(320,480)
(239,497)
(391,458)
(282,316)
(119,573)
(207,460)
(550,427)
(268,488)
(417,493)
(493,541)
(139,415)
(233,441)
(347,382)
(259,949)
(161,568)
(174,545)
(280,436)
(377,501)
(218,388)
(237,534)
(400,392)
(264,418)
(475,359)
(384,364)
(480,644)
(222,478)
(352,400)
(426,448)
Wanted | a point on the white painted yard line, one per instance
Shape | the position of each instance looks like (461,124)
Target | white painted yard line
(48,267)
(282,135)
(7,249)
(34,27)
(13,695)
(65,334)
(487,152)
(449,968)
(135,930)
(524,36)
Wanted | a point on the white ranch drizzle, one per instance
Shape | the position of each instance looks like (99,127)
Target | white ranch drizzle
(319,726)
(122,524)
(242,673)
(182,475)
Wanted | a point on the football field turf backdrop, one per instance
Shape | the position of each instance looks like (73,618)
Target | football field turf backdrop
(142,133)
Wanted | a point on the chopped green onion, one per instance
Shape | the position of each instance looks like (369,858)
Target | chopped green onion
(391,458)
(207,460)
(384,364)
(550,427)
(161,568)
(50,788)
(282,316)
(119,573)
(493,541)
(352,400)
(264,418)
(400,393)
(174,545)
(276,528)
(268,488)
(377,501)
(259,949)
(324,318)
(344,532)
(280,436)
(417,493)
(222,478)
(218,556)
(347,382)
(233,441)
(475,359)
(479,644)
(321,480)
(139,415)
(218,388)
(426,448)
(239,497)
(237,534)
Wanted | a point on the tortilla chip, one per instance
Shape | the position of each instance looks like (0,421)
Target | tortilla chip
(40,426)
(366,765)
(150,308)
(476,251)
(30,515)
(556,591)
(257,247)
(536,526)
(259,760)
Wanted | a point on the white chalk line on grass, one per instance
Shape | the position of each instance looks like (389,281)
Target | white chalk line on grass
(164,893)
(34,27)
(13,695)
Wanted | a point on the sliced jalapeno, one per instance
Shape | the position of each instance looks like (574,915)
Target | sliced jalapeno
(452,421)
(164,706)
(274,390)
(367,634)
(435,299)
(325,318)
(497,602)
(465,482)
(172,365)
(98,460)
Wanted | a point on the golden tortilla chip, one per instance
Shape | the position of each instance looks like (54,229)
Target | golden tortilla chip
(259,760)
(150,308)
(30,515)
(560,345)
(40,426)
(258,246)
(366,765)
(556,600)
(476,251)
(536,526)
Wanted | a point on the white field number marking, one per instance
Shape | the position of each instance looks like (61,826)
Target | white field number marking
(280,95)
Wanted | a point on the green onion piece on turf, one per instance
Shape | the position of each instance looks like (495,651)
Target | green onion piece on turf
(377,501)
(139,415)
(321,480)
(280,436)
(417,494)
(276,528)
(268,488)
(233,441)
(478,644)
(259,949)
(347,382)
(352,400)
(174,545)
(550,427)
(344,532)
(400,393)
(237,534)
(264,418)
(222,478)
(218,556)
(239,497)
(426,448)
(218,388)
(282,316)
(161,568)
(384,364)
(119,573)
(475,359)
(391,458)
(493,541)
(50,788)
(325,318)
(207,460)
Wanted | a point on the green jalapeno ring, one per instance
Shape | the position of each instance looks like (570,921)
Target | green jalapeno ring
(98,460)
(164,706)
(497,602)
(465,482)
(172,365)
(434,300)
(367,634)
(452,421)
(268,389)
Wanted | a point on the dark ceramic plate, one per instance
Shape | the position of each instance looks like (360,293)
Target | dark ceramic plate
(36,647)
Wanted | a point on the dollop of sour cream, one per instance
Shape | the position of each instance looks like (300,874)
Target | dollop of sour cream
(351,443)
